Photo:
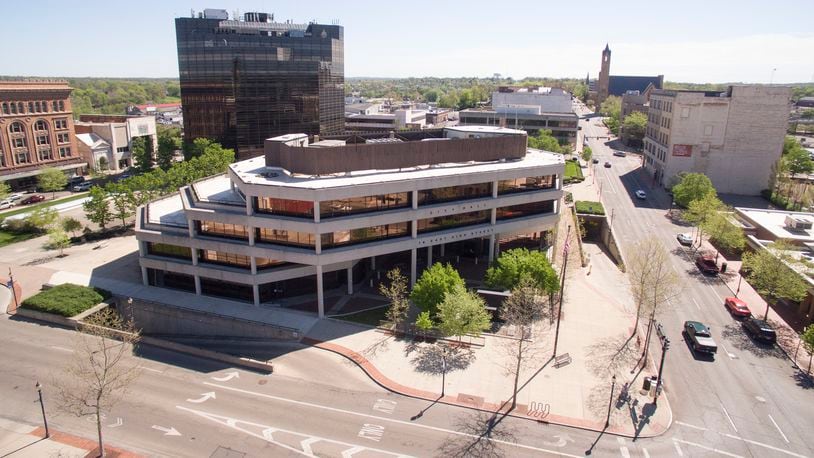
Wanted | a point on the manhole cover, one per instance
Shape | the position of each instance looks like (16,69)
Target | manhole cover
(225,452)
(262,382)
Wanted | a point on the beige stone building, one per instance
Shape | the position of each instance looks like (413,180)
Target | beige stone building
(733,137)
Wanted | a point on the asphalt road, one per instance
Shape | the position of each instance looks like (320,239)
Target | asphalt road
(749,401)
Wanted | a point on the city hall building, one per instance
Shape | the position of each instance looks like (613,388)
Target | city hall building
(314,214)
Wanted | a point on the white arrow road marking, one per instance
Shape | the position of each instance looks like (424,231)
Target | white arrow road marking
(204,397)
(306,445)
(167,431)
(118,423)
(351,451)
(227,376)
(562,441)
(375,417)
(267,433)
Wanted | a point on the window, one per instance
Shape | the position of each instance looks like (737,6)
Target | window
(518,211)
(31,107)
(61,105)
(282,237)
(61,123)
(234,231)
(122,149)
(54,106)
(452,193)
(525,184)
(41,125)
(354,205)
(18,142)
(63,138)
(229,290)
(172,251)
(227,259)
(365,234)
(21,107)
(64,151)
(5,108)
(288,207)
(23,157)
(45,106)
(449,221)
(45,154)
(43,140)
(15,127)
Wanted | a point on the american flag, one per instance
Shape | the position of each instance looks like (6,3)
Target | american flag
(566,247)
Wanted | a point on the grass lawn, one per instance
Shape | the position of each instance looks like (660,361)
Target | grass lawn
(588,207)
(7,238)
(368,317)
(66,299)
(29,208)
(573,171)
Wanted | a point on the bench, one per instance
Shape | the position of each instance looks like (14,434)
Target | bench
(562,360)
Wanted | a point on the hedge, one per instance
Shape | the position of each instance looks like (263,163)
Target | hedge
(67,299)
(587,207)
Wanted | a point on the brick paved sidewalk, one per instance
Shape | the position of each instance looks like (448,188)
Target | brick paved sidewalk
(22,440)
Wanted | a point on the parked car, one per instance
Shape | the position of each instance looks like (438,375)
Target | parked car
(619,153)
(15,196)
(759,330)
(607,165)
(8,203)
(641,194)
(33,199)
(83,186)
(707,265)
(700,339)
(685,239)
(595,161)
(74,180)
(737,307)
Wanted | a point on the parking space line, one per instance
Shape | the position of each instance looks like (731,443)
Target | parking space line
(778,429)
(728,417)
(690,426)
(696,303)
(711,449)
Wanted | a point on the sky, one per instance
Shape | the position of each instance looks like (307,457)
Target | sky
(689,41)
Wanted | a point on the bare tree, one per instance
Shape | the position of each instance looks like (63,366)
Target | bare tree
(483,436)
(99,374)
(522,309)
(658,286)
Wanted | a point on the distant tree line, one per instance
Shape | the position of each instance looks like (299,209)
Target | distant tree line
(112,96)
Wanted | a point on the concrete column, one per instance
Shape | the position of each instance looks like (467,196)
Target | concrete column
(497,245)
(373,263)
(350,280)
(316,211)
(253,265)
(144,277)
(317,243)
(491,248)
(494,189)
(442,249)
(249,208)
(142,248)
(413,261)
(191,226)
(494,216)
(256,293)
(429,256)
(194,252)
(251,232)
(320,295)
(197,285)
(415,200)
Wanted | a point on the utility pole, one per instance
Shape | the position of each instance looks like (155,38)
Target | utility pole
(562,289)
(42,407)
(610,401)
(665,345)
(11,288)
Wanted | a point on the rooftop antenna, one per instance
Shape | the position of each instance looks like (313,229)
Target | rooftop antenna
(771,80)
(191,13)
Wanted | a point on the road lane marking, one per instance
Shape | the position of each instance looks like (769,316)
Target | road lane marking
(680,453)
(204,397)
(696,303)
(778,429)
(351,451)
(227,376)
(151,369)
(728,353)
(728,417)
(306,445)
(376,417)
(732,436)
(55,347)
(385,406)
(167,431)
(645,453)
(371,432)
(622,449)
(690,426)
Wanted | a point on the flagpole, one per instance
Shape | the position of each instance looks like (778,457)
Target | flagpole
(562,289)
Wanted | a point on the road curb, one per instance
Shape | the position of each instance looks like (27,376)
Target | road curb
(383,381)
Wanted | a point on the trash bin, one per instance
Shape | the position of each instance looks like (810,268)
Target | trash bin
(723,267)
(646,384)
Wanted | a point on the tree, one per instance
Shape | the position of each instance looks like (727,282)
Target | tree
(97,208)
(42,219)
(693,186)
(51,180)
(432,95)
(58,240)
(701,212)
(463,312)
(396,293)
(435,282)
(771,277)
(521,310)
(512,266)
(580,91)
(635,125)
(169,141)
(424,322)
(103,165)
(544,140)
(448,100)
(724,235)
(5,190)
(122,198)
(587,153)
(71,225)
(99,374)
(611,108)
(141,150)
(807,338)
(799,161)
(807,114)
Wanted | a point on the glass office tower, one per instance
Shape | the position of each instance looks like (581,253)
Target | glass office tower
(243,81)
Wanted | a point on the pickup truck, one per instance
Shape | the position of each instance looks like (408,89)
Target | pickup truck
(699,338)
(707,265)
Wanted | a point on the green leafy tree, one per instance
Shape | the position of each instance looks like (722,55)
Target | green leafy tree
(97,207)
(52,180)
(58,240)
(611,108)
(5,190)
(515,265)
(799,161)
(424,322)
(42,219)
(544,140)
(807,114)
(141,150)
(169,141)
(123,200)
(790,144)
(462,312)
(396,292)
(580,91)
(587,153)
(693,186)
(71,225)
(701,211)
(434,283)
(432,95)
(807,338)
(723,234)
(771,277)
(448,100)
(635,125)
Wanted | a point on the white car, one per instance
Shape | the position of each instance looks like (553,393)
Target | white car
(641,194)
(685,239)
(15,196)
(6,204)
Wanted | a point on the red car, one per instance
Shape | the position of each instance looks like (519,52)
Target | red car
(737,307)
(707,265)
(33,199)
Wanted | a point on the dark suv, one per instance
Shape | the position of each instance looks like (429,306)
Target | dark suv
(759,330)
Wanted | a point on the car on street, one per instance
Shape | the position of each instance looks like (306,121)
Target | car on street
(15,196)
(699,338)
(759,330)
(83,186)
(8,203)
(607,165)
(685,239)
(75,180)
(737,307)
(619,153)
(640,194)
(33,199)
(595,161)
(707,265)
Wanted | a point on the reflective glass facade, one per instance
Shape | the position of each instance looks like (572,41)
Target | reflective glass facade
(224,259)
(232,231)
(365,234)
(243,82)
(450,193)
(285,207)
(449,221)
(519,211)
(355,205)
(172,251)
(526,184)
(282,237)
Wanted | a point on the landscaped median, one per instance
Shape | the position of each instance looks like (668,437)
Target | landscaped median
(587,207)
(573,172)
(66,300)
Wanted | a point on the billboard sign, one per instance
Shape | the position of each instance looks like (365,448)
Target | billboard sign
(682,150)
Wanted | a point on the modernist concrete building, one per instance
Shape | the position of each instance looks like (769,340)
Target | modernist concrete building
(531,109)
(118,132)
(310,216)
(733,137)
(36,131)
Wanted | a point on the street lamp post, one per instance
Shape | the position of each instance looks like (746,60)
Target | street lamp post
(610,401)
(443,370)
(562,289)
(42,407)
(740,277)
(11,287)
(665,345)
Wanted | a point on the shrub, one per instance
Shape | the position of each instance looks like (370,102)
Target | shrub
(588,207)
(66,299)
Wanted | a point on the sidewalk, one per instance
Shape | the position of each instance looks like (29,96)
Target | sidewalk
(20,440)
